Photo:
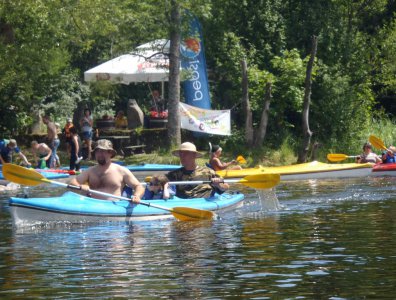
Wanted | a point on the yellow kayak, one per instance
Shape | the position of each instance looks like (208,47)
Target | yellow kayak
(311,170)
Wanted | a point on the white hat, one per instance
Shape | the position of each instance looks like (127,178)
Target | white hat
(187,146)
(12,142)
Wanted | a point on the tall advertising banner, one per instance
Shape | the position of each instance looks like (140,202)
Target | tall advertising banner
(192,55)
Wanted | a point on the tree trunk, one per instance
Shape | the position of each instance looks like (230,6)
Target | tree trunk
(174,135)
(307,134)
(246,105)
(315,148)
(36,126)
(79,114)
(262,130)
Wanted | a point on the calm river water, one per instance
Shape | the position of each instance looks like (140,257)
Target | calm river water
(329,239)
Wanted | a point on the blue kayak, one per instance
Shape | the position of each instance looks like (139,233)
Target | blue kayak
(48,175)
(152,167)
(74,208)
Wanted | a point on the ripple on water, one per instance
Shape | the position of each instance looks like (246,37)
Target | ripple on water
(266,274)
(323,230)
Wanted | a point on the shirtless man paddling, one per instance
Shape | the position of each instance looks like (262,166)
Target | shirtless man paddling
(106,176)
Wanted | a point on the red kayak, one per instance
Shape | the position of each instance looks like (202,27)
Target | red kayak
(70,172)
(384,170)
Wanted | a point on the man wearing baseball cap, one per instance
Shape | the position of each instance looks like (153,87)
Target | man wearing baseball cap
(190,171)
(106,176)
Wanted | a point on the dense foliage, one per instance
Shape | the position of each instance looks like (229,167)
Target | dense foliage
(46,45)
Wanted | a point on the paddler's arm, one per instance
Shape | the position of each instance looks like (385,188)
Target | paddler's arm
(138,189)
(217,164)
(219,185)
(80,181)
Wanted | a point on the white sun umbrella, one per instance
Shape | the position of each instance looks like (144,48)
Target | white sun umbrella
(148,63)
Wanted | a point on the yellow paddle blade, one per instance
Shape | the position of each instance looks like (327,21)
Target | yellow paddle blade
(191,214)
(337,157)
(377,142)
(240,159)
(22,175)
(260,181)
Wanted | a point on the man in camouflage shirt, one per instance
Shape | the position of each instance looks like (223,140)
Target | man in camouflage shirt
(191,172)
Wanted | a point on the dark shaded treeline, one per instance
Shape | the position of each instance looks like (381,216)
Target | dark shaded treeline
(47,45)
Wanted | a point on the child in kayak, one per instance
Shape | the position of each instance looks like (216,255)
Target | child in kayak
(158,188)
(389,156)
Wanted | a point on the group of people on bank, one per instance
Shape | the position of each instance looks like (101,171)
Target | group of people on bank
(45,154)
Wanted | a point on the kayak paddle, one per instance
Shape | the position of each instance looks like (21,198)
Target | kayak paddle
(30,177)
(334,157)
(258,181)
(377,142)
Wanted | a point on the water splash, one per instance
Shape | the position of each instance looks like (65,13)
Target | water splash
(268,200)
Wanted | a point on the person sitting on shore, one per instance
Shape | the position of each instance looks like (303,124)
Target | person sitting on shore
(389,156)
(190,171)
(158,188)
(215,162)
(106,176)
(368,156)
(7,148)
(44,155)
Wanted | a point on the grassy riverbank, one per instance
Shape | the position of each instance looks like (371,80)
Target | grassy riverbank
(284,153)
(282,156)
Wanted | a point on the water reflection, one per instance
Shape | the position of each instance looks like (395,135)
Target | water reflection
(327,239)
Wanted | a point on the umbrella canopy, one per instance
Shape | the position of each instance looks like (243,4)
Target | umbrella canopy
(148,63)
